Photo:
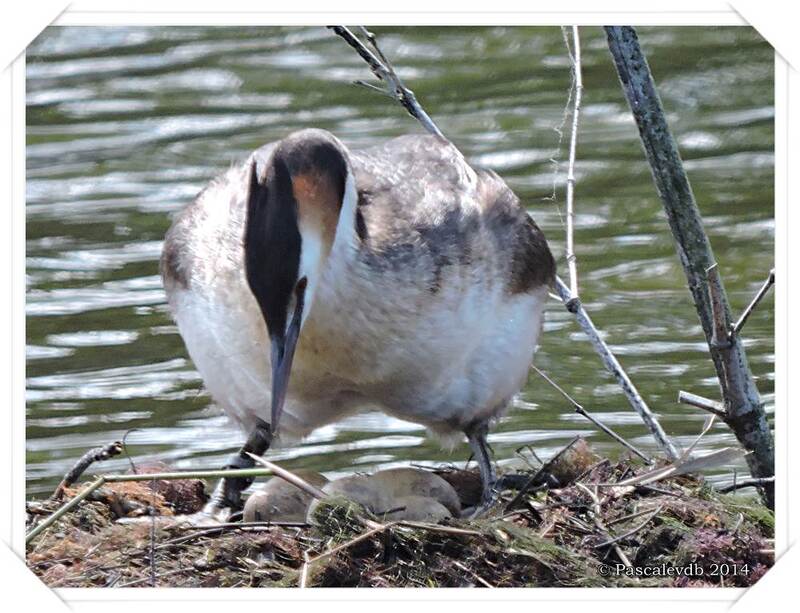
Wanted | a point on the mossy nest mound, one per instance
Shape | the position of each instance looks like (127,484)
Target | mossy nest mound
(571,528)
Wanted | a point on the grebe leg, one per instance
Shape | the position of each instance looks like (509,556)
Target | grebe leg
(227,496)
(476,435)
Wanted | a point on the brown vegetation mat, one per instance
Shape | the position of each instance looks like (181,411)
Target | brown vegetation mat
(570,529)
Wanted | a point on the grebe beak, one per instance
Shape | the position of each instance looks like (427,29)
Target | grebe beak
(283,347)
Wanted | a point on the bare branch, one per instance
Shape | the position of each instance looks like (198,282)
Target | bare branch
(571,300)
(737,327)
(382,69)
(575,59)
(712,406)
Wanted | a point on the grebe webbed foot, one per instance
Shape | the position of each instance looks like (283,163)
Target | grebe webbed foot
(227,495)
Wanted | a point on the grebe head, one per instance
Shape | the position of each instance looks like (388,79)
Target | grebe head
(293,212)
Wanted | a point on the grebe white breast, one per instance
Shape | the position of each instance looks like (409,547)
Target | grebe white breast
(313,281)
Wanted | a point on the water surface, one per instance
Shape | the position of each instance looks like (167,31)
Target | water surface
(126,125)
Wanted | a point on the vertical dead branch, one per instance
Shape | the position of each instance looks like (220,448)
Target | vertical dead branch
(575,60)
(744,412)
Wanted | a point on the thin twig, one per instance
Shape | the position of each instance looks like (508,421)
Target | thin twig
(658,490)
(374,88)
(225,473)
(630,532)
(206,531)
(581,411)
(737,327)
(706,427)
(755,482)
(438,528)
(245,525)
(125,449)
(559,129)
(284,474)
(211,532)
(712,406)
(591,469)
(738,524)
(533,453)
(575,60)
(537,475)
(624,518)
(475,575)
(581,526)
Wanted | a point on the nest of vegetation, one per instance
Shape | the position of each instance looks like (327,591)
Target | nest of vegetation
(570,527)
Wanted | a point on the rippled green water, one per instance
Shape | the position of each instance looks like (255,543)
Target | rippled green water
(127,125)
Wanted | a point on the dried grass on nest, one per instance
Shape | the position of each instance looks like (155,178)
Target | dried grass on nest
(552,540)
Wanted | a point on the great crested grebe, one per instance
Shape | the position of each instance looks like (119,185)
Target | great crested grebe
(395,277)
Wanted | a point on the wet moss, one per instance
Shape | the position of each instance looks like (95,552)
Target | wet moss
(752,509)
(337,519)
